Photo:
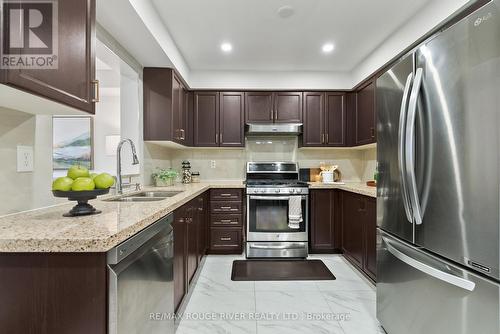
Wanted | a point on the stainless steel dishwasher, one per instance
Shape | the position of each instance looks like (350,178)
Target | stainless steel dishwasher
(141,284)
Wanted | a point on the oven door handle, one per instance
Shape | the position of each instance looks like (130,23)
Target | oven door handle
(277,247)
(274,198)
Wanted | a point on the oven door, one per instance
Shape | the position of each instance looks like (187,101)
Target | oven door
(267,219)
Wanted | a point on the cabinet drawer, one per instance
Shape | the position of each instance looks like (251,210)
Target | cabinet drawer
(226,194)
(225,207)
(226,220)
(225,239)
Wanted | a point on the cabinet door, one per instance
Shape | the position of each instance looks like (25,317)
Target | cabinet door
(259,107)
(288,107)
(231,119)
(202,214)
(177,114)
(192,241)
(352,227)
(314,119)
(206,119)
(322,221)
(72,83)
(365,115)
(180,233)
(335,114)
(370,222)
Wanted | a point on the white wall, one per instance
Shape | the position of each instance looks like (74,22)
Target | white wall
(27,190)
(424,21)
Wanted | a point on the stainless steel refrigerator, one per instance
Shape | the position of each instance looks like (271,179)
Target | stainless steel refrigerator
(438,198)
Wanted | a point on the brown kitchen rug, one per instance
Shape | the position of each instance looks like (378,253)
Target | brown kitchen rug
(280,270)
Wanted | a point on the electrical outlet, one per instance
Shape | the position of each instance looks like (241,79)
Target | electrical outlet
(212,164)
(24,159)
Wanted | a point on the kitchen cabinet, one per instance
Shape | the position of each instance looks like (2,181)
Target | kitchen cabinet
(359,231)
(180,255)
(370,264)
(365,115)
(325,119)
(325,226)
(226,221)
(190,243)
(55,293)
(218,119)
(73,82)
(273,107)
(167,106)
(206,119)
(231,120)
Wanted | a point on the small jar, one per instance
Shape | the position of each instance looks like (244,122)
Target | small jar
(195,177)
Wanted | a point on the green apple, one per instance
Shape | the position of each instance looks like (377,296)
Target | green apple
(83,184)
(104,181)
(93,175)
(78,171)
(62,183)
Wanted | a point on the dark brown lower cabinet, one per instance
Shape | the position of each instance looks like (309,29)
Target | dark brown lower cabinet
(226,221)
(54,293)
(359,231)
(180,255)
(325,227)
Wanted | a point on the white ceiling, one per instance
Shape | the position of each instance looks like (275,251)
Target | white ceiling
(263,41)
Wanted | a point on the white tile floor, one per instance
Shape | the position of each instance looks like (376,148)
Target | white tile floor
(343,306)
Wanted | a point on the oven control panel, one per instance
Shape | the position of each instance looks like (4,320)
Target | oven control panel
(278,191)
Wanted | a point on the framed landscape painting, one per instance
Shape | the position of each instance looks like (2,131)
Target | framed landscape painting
(72,142)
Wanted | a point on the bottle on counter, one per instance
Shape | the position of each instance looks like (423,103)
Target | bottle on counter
(186,172)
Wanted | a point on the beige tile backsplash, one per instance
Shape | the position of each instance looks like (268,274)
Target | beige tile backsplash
(355,165)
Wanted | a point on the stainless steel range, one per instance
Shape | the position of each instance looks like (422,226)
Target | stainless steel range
(277,211)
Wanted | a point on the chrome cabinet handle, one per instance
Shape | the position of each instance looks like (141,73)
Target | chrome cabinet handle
(410,147)
(225,195)
(216,138)
(326,138)
(183,135)
(401,147)
(225,239)
(322,138)
(97,94)
(427,269)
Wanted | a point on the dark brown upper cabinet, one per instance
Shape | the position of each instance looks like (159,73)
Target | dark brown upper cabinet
(365,114)
(206,119)
(73,81)
(324,119)
(218,119)
(288,107)
(231,119)
(259,107)
(166,106)
(273,107)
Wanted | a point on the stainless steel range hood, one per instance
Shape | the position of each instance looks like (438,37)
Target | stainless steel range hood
(273,129)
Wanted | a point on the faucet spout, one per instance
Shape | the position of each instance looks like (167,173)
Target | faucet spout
(135,161)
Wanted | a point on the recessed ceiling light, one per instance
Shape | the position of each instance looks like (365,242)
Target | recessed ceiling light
(328,47)
(285,12)
(226,47)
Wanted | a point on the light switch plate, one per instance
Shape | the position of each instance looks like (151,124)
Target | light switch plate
(24,159)
(212,164)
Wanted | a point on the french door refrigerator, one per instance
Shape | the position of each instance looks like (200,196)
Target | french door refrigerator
(438,197)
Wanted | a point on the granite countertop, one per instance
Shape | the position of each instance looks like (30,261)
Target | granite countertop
(355,187)
(46,230)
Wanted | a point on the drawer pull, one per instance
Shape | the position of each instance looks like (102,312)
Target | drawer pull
(225,195)
(226,221)
(225,239)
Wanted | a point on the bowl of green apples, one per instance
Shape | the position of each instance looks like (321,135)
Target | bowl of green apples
(82,186)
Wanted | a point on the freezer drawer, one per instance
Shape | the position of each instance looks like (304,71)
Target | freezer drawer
(419,293)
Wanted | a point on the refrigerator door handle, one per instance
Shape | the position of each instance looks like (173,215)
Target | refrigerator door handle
(401,147)
(410,147)
(425,268)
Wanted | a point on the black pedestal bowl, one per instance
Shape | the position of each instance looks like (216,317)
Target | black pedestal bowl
(83,208)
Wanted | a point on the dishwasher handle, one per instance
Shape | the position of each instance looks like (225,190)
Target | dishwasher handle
(129,246)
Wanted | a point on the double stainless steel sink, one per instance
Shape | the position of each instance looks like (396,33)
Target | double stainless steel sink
(145,196)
